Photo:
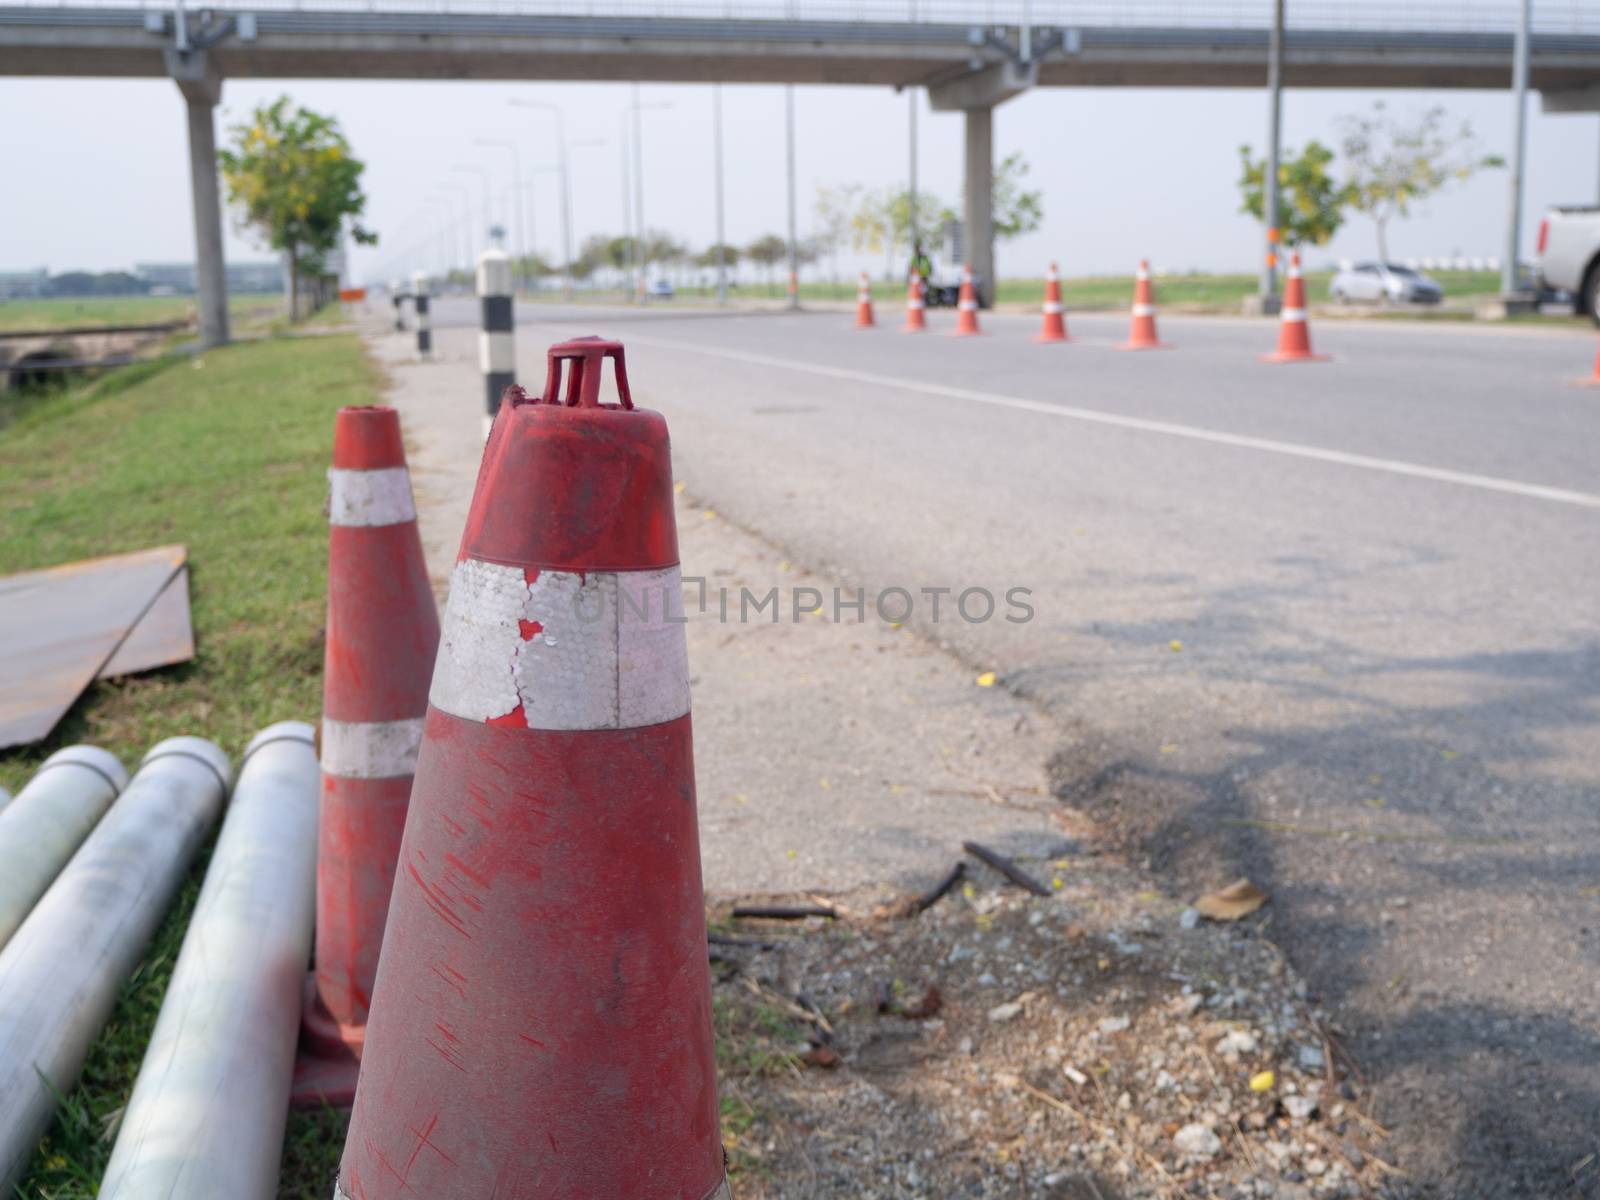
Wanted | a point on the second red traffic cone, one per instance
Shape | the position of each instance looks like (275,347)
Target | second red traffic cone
(542,1023)
(1142,330)
(1054,326)
(967,307)
(864,304)
(916,307)
(1294,331)
(382,638)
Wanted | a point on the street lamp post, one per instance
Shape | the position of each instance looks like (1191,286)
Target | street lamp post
(566,186)
(1510,280)
(716,125)
(1273,206)
(516,193)
(484,174)
(462,193)
(794,246)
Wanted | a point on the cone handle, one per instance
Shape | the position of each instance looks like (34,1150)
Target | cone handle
(586,355)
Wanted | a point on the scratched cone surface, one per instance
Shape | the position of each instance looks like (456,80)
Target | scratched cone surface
(541,1027)
(383,636)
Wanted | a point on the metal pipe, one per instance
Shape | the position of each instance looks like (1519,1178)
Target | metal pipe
(61,972)
(207,1112)
(1510,281)
(641,263)
(48,821)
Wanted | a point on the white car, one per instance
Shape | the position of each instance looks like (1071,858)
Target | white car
(661,289)
(1377,283)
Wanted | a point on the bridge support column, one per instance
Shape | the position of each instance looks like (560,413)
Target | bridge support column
(976,94)
(977,209)
(201,85)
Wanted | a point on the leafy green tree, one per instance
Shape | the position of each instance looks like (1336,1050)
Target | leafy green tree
(1310,203)
(708,257)
(1017,210)
(597,251)
(767,252)
(290,174)
(1396,161)
(830,219)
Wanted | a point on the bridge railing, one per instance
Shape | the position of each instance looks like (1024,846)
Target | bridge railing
(1456,16)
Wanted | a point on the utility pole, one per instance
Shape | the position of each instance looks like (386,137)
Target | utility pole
(794,246)
(1510,281)
(716,127)
(1273,207)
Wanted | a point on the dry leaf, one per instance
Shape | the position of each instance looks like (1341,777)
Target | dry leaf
(1239,899)
(986,679)
(1263,1081)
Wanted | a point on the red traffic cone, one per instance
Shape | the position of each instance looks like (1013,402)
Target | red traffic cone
(1142,332)
(916,307)
(864,304)
(382,638)
(542,1023)
(966,307)
(1294,331)
(1054,327)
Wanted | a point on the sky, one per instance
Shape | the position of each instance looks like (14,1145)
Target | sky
(1125,173)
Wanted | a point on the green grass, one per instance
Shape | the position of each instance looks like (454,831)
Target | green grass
(1198,291)
(226,455)
(67,313)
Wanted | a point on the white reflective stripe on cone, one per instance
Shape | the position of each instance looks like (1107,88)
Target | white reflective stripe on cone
(1052,306)
(968,306)
(1144,310)
(370,749)
(601,650)
(1294,314)
(368,498)
(497,353)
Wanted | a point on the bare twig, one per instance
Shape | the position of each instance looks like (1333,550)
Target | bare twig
(1006,867)
(936,893)
(783,912)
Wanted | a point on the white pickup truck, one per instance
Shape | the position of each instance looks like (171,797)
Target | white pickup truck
(1569,255)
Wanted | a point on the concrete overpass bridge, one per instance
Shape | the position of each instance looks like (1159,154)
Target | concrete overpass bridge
(969,56)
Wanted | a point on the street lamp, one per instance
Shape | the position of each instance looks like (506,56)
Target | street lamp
(516,189)
(460,192)
(486,175)
(566,186)
(636,244)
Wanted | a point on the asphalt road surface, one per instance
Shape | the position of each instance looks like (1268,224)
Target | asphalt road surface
(1334,626)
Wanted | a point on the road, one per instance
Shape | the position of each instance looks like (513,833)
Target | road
(1333,626)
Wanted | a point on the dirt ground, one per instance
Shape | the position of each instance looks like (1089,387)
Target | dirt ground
(1099,1042)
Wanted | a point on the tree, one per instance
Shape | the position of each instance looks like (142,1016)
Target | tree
(1016,210)
(708,257)
(1397,161)
(767,252)
(1310,204)
(593,254)
(294,182)
(830,218)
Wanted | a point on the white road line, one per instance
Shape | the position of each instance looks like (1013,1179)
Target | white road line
(1488,483)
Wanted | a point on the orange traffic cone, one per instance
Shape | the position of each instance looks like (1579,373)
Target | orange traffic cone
(916,307)
(1294,332)
(864,304)
(1142,332)
(1054,328)
(1591,380)
(382,638)
(542,1023)
(967,307)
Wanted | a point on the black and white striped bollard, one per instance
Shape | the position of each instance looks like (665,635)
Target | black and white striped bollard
(397,295)
(419,297)
(497,351)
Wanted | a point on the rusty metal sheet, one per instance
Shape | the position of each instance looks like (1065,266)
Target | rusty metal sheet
(60,626)
(163,635)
